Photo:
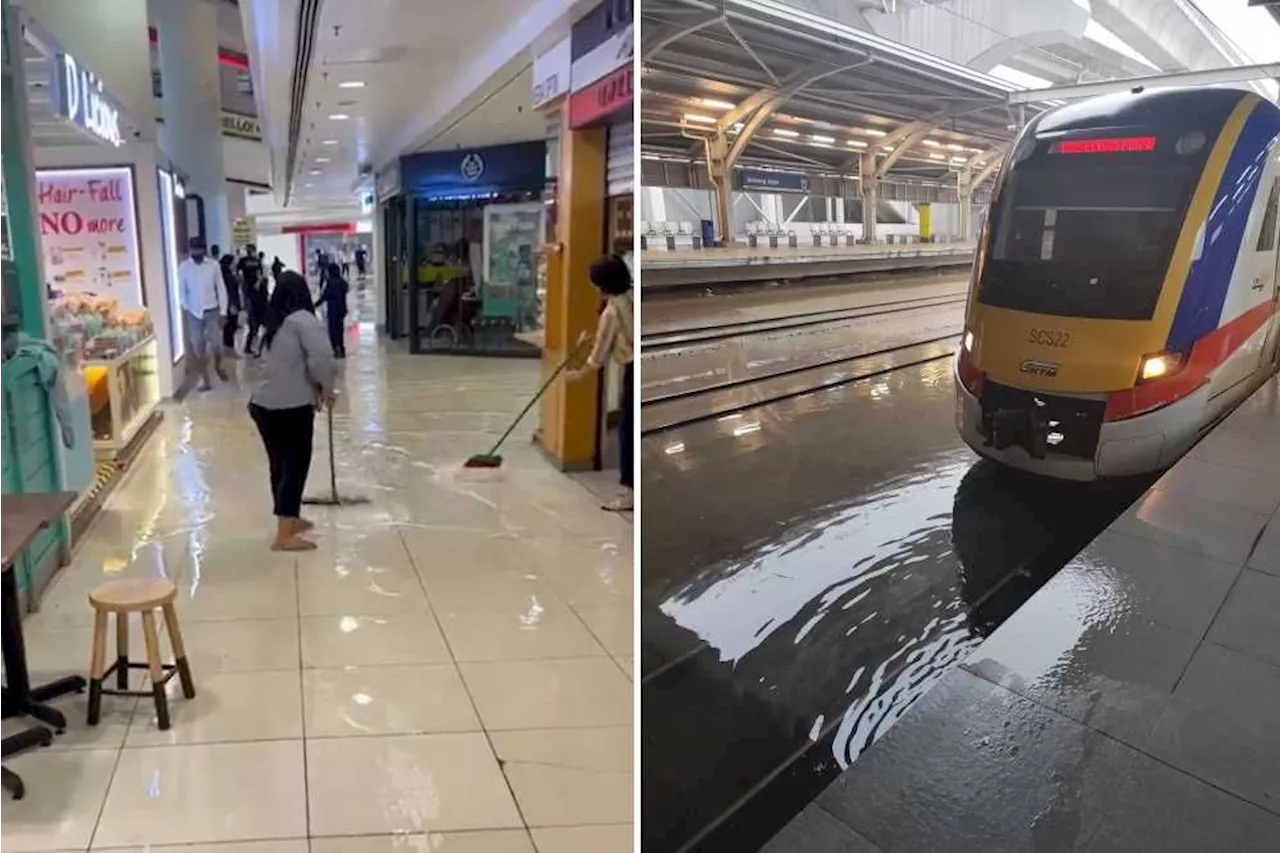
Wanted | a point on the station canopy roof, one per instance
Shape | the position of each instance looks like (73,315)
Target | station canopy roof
(836,88)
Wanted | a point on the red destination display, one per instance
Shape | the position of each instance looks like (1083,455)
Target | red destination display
(1113,145)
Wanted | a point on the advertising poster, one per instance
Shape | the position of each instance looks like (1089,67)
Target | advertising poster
(89,232)
(512,234)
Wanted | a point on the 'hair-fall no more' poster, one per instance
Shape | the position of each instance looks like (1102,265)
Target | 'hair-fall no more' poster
(90,233)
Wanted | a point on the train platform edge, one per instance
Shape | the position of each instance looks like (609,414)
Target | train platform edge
(742,265)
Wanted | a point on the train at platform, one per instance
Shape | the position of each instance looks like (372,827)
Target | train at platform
(1125,295)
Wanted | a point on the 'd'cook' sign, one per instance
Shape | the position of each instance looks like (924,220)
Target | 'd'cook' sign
(89,232)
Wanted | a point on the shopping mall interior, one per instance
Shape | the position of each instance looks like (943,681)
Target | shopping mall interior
(450,668)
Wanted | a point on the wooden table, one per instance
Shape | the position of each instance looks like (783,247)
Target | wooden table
(23,517)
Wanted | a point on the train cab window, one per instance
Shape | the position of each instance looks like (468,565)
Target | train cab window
(1267,236)
(1086,236)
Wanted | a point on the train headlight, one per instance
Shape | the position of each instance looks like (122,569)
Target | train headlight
(1160,365)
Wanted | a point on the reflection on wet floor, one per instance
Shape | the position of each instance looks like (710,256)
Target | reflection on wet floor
(454,657)
(830,565)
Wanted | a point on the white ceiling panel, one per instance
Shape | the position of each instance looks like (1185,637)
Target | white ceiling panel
(435,74)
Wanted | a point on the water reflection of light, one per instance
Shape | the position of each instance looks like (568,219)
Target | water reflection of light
(347,624)
(738,612)
(532,614)
(674,448)
(362,698)
(879,389)
(746,429)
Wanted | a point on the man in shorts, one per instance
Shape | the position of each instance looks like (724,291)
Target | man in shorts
(204,310)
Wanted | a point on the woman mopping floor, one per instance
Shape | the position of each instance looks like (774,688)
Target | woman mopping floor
(297,377)
(614,337)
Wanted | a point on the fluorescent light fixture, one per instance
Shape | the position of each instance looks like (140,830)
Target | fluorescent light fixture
(824,139)
(937,156)
(1020,78)
(330,142)
(339,117)
(351,84)
(932,143)
(716,105)
(322,159)
(857,143)
(782,131)
(887,148)
(700,119)
(954,147)
(737,128)
(871,131)
(315,171)
(308,186)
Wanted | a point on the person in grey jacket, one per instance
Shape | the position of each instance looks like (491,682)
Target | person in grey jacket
(297,376)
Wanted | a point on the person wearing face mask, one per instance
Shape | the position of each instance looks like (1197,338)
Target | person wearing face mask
(204,310)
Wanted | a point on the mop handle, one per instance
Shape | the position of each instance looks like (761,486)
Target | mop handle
(333,468)
(536,397)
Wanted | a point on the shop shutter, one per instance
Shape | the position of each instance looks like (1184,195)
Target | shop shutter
(621,163)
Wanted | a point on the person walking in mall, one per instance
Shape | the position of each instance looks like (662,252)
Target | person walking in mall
(614,340)
(255,296)
(345,255)
(334,297)
(277,266)
(296,379)
(362,258)
(230,283)
(204,305)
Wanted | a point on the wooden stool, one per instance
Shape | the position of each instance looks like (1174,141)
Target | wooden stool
(142,596)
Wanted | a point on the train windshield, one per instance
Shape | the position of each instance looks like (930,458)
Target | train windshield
(1087,234)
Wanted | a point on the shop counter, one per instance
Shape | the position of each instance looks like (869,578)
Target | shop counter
(123,394)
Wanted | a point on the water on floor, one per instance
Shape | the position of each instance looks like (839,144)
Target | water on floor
(810,569)
(450,669)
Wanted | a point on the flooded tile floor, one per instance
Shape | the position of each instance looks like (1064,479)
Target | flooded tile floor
(450,671)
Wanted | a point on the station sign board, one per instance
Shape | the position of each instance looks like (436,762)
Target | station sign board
(778,182)
(82,100)
(551,73)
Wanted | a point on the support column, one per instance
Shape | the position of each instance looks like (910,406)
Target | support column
(191,100)
(868,187)
(718,168)
(964,192)
(570,410)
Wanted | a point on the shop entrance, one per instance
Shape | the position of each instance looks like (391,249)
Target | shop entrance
(395,267)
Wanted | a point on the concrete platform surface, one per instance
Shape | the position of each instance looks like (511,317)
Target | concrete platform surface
(732,264)
(1132,704)
(745,255)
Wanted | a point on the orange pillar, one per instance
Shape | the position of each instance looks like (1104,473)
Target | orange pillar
(570,411)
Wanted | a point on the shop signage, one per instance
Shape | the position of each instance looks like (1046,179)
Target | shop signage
(83,102)
(242,126)
(613,53)
(472,167)
(387,182)
(551,72)
(778,182)
(602,98)
(88,230)
(475,173)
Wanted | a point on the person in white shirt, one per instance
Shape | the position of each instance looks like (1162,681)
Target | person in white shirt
(204,310)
